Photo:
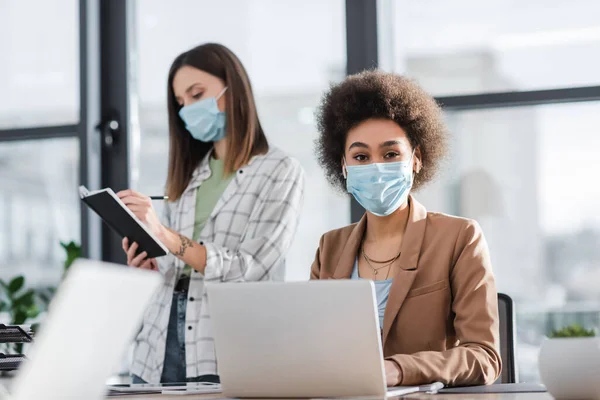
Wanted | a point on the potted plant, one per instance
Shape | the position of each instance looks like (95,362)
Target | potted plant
(19,303)
(73,252)
(569,363)
(23,304)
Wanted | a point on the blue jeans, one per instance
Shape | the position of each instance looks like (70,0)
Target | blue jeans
(174,367)
(174,364)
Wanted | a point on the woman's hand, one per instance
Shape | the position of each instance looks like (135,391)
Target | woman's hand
(393,373)
(139,261)
(142,207)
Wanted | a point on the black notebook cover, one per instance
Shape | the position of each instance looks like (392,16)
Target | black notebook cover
(120,219)
(10,362)
(14,334)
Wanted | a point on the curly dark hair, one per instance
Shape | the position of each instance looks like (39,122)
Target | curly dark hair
(378,94)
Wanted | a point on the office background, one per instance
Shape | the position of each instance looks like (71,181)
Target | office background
(82,100)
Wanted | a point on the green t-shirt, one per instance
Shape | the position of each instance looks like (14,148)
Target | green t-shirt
(207,196)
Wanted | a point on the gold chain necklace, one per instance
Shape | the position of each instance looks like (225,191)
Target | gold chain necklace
(376,270)
(380,262)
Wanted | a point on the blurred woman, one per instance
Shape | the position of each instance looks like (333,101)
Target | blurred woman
(234,205)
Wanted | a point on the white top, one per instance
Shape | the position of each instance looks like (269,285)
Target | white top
(382,292)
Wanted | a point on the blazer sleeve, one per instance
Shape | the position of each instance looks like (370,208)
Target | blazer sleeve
(315,269)
(265,246)
(476,360)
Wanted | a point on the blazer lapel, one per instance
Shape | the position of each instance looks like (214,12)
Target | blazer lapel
(343,269)
(408,262)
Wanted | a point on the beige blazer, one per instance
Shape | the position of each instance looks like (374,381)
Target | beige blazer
(441,319)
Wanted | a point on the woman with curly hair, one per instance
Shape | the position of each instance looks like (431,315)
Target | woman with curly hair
(381,137)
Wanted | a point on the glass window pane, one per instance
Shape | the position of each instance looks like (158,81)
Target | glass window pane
(39,72)
(528,176)
(39,207)
(292,50)
(470,46)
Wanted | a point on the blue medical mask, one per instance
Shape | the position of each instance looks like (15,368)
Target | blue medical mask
(381,188)
(203,119)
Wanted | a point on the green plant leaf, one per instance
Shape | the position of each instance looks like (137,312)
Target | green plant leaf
(27,299)
(16,284)
(9,304)
(20,317)
(32,311)
(3,306)
(70,246)
(574,330)
(73,251)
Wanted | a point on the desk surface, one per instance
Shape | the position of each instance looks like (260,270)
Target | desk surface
(486,396)
(489,396)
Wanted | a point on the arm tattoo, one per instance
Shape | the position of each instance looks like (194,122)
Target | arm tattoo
(185,243)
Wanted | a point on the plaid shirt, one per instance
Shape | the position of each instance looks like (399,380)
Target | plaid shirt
(246,238)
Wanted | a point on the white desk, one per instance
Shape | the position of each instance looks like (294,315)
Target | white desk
(493,396)
(489,396)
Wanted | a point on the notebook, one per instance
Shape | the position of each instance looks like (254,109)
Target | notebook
(120,219)
(10,362)
(15,334)
(165,388)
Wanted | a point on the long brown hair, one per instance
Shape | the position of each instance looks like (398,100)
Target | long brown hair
(243,130)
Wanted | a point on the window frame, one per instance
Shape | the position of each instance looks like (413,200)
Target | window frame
(105,79)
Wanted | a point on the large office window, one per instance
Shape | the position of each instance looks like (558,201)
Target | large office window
(39,207)
(292,50)
(39,147)
(526,175)
(471,46)
(523,172)
(524,167)
(39,72)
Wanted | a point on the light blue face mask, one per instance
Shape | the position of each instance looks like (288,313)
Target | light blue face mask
(381,188)
(203,119)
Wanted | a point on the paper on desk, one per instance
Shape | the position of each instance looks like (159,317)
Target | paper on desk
(190,388)
(142,388)
(431,388)
(199,390)
(401,391)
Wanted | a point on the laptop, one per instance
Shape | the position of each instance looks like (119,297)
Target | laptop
(298,339)
(91,321)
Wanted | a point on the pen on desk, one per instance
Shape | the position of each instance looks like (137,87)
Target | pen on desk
(159,197)
(432,388)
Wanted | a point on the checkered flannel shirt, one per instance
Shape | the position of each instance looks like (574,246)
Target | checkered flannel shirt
(246,239)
